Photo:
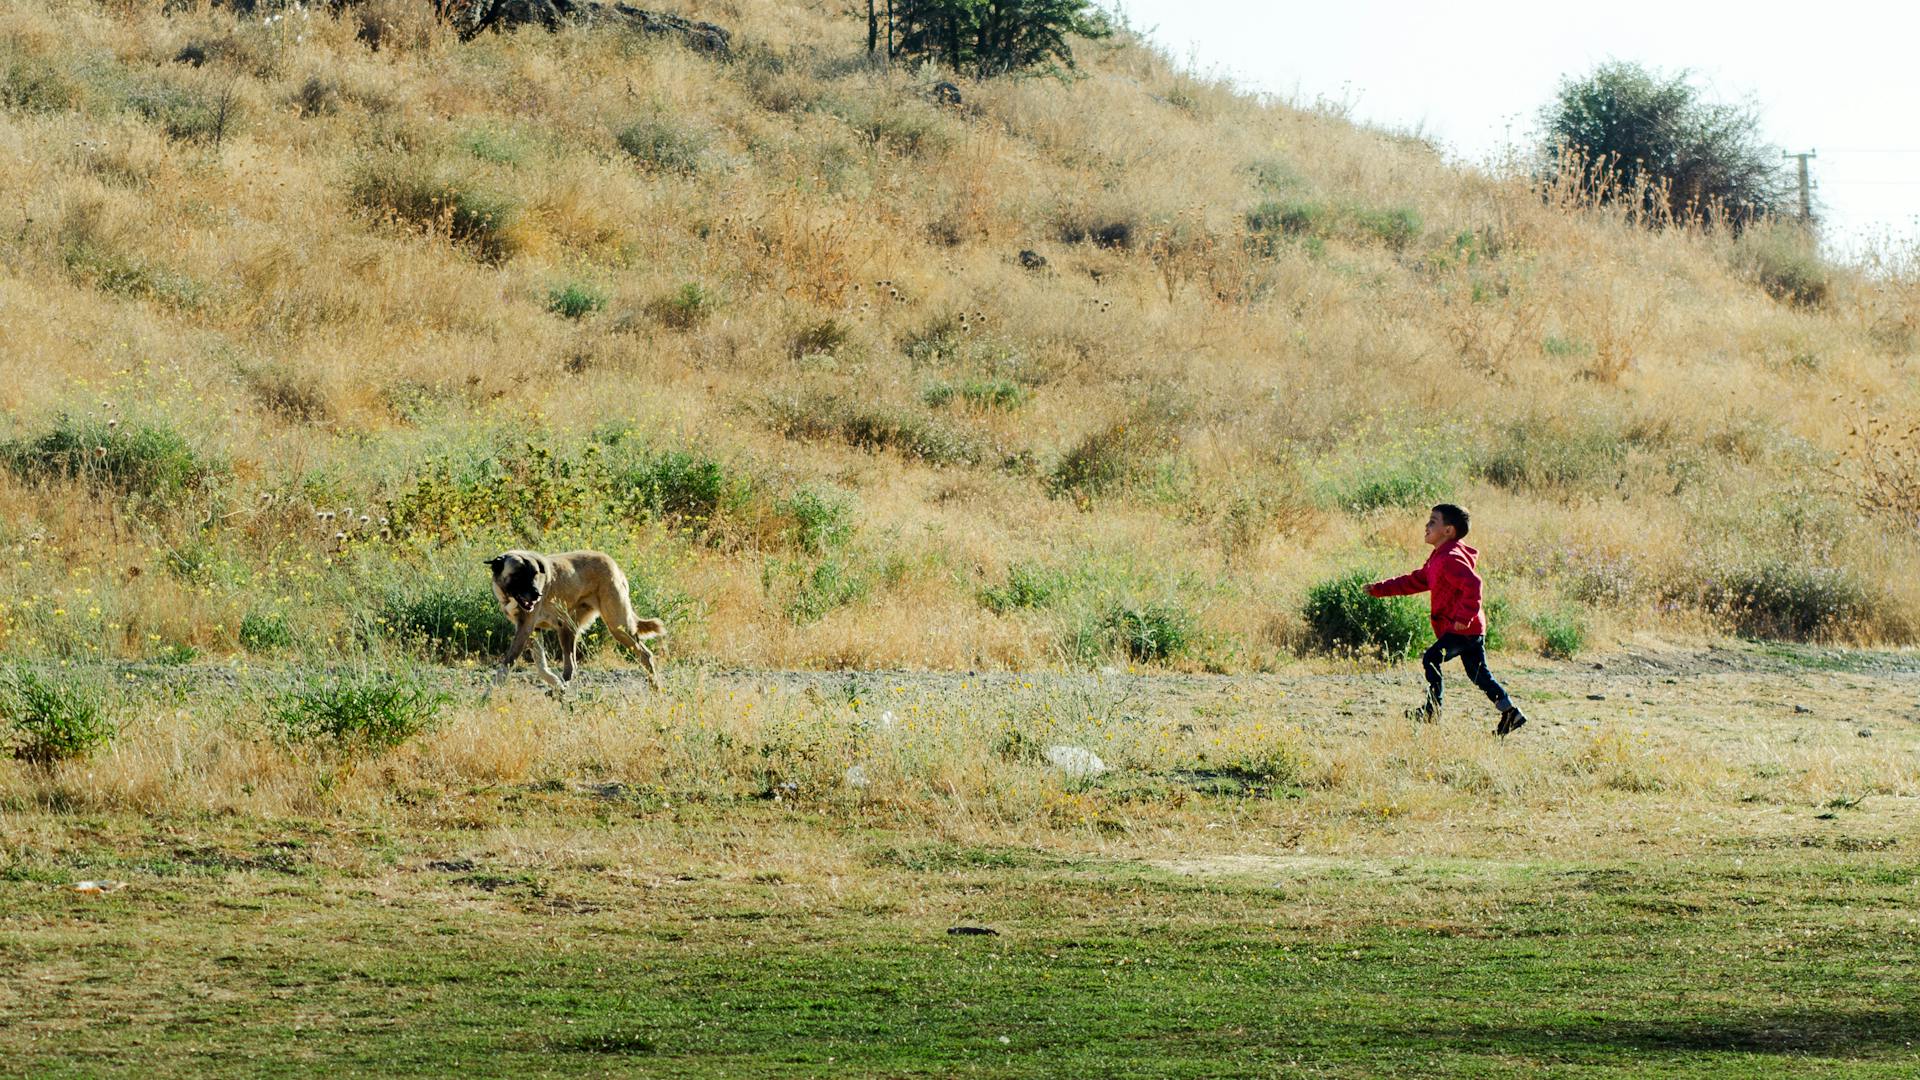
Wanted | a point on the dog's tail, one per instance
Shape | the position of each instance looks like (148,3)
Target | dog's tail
(648,628)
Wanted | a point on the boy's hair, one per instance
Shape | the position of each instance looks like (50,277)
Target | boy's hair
(1454,516)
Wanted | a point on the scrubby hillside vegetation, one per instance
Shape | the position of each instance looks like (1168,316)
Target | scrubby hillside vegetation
(303,315)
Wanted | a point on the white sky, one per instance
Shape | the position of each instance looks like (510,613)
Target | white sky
(1839,78)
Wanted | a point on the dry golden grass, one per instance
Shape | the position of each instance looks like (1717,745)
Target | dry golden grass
(326,353)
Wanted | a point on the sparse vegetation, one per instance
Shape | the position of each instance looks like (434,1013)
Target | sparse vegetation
(49,718)
(364,712)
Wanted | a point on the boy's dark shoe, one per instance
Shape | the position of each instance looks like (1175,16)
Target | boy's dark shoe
(1426,712)
(1511,720)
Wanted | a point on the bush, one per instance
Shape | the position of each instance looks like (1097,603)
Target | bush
(1788,600)
(1342,618)
(979,393)
(34,84)
(1152,633)
(1625,133)
(661,145)
(808,593)
(1413,482)
(144,459)
(875,427)
(1104,460)
(1562,634)
(431,196)
(448,621)
(1028,586)
(1547,454)
(369,712)
(50,720)
(1395,228)
(498,146)
(1270,221)
(817,522)
(264,632)
(684,308)
(1785,261)
(984,41)
(575,300)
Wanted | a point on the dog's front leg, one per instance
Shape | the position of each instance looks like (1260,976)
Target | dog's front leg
(546,673)
(522,633)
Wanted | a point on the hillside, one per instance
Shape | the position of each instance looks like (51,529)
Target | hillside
(296,330)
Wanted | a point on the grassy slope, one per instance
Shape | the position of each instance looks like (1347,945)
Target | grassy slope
(1202,419)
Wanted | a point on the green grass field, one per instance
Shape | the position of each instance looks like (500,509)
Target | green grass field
(1717,881)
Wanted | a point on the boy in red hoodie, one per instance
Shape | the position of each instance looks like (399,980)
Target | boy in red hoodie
(1457,619)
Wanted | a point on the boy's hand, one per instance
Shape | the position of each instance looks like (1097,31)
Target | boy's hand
(1460,627)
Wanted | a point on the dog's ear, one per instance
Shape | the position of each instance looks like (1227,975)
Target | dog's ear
(494,563)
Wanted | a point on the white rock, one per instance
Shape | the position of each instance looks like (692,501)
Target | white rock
(857,776)
(1075,761)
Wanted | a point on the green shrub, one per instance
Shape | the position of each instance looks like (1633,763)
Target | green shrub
(1272,221)
(265,632)
(1273,765)
(1562,634)
(184,113)
(53,719)
(575,300)
(1396,227)
(824,337)
(34,84)
(1785,261)
(1149,634)
(1027,586)
(979,393)
(684,308)
(1412,482)
(1554,454)
(1342,618)
(873,426)
(498,146)
(429,195)
(808,593)
(448,621)
(1104,460)
(147,459)
(370,712)
(661,145)
(816,522)
(1789,600)
(95,263)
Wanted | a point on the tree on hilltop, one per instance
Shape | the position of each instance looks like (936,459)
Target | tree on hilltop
(985,38)
(1626,133)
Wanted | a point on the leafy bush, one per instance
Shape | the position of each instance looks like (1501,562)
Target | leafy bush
(662,145)
(575,300)
(1562,634)
(34,84)
(1785,261)
(1270,221)
(1787,599)
(808,593)
(825,336)
(1554,453)
(369,712)
(1414,481)
(1149,634)
(1104,460)
(498,146)
(448,621)
(184,113)
(143,458)
(684,308)
(1625,133)
(50,720)
(1396,227)
(1343,618)
(817,522)
(430,195)
(1027,586)
(872,426)
(987,40)
(979,393)
(265,632)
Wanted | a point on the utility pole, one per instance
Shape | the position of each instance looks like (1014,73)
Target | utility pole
(1806,187)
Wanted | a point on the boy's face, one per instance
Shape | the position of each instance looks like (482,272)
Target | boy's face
(1438,531)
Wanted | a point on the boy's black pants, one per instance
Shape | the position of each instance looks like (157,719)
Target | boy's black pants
(1472,652)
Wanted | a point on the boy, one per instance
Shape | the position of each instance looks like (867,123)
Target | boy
(1457,620)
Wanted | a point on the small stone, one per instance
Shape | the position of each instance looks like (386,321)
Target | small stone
(973,931)
(1596,697)
(1075,761)
(1033,260)
(1801,709)
(1865,733)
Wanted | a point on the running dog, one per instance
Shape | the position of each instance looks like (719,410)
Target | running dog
(565,593)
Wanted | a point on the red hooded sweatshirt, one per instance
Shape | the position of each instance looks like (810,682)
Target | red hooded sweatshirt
(1450,577)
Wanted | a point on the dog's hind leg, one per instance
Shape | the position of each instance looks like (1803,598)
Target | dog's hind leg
(625,637)
(569,642)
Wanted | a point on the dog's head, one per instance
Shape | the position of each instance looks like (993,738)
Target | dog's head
(522,577)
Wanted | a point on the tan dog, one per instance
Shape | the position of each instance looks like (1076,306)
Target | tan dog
(565,593)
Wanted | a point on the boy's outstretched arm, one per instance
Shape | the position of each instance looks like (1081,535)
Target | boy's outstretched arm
(1404,585)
